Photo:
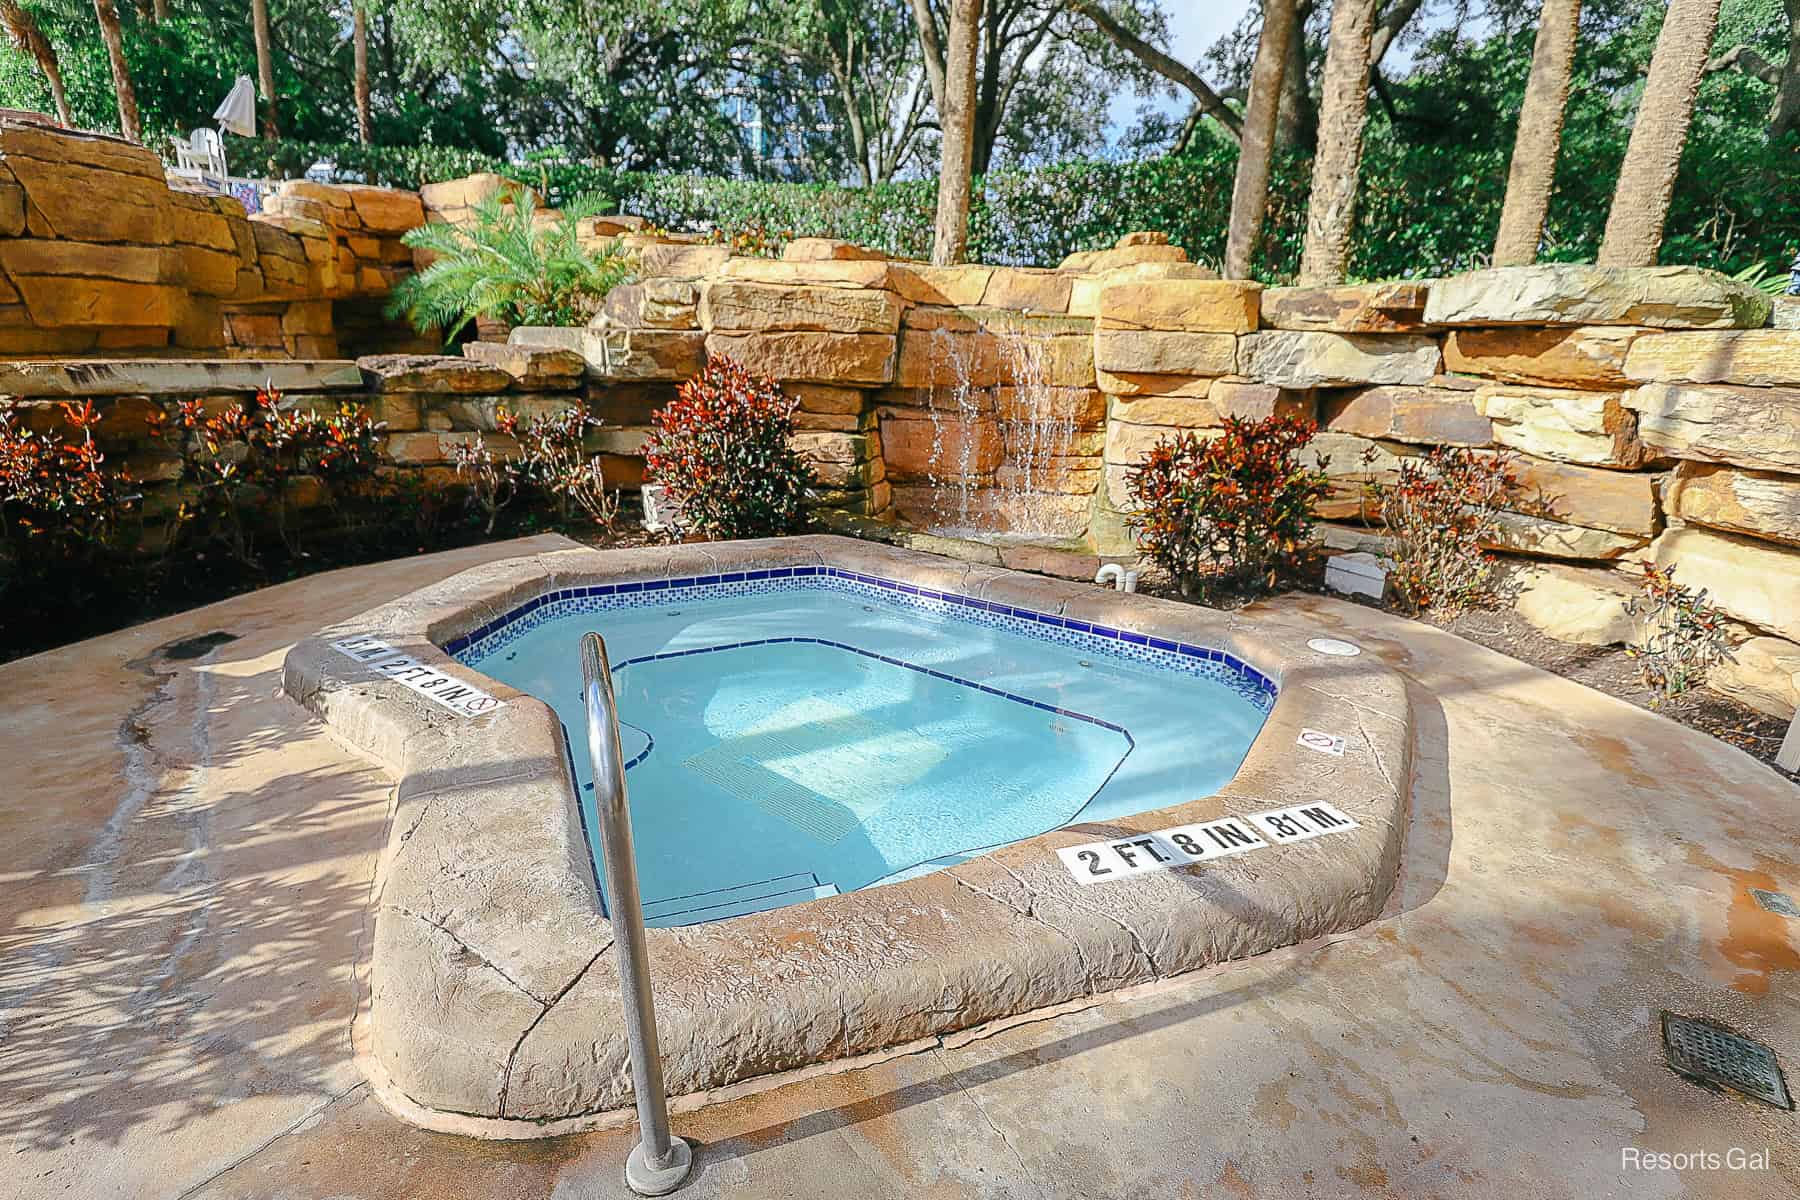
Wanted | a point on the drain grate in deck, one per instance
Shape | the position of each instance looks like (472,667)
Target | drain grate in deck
(1709,1052)
(1778,903)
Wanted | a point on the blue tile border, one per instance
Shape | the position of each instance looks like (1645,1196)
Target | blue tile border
(1168,654)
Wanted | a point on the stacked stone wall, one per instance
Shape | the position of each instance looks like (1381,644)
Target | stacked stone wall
(101,255)
(429,404)
(1653,415)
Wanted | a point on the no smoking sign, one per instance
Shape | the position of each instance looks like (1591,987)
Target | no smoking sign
(1324,743)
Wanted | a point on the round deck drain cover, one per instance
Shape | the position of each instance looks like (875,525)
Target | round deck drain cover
(1335,646)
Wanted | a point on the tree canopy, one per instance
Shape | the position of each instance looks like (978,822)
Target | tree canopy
(841,93)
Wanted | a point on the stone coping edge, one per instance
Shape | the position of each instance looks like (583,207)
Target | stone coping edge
(74,378)
(493,994)
(495,1129)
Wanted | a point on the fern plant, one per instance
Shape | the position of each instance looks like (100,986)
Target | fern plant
(1769,283)
(510,265)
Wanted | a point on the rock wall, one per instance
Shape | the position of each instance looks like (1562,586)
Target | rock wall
(429,403)
(101,255)
(1654,414)
(962,396)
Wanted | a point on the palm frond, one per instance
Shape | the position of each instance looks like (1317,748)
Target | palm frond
(509,264)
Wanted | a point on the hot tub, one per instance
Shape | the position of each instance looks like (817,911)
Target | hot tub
(878,796)
(803,732)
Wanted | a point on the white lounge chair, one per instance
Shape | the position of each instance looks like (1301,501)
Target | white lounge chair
(202,156)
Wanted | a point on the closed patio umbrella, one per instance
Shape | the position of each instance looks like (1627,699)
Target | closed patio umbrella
(238,113)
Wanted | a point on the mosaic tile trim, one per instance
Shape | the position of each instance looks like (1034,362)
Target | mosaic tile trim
(1087,636)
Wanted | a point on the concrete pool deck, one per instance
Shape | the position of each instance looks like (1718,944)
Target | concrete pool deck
(187,913)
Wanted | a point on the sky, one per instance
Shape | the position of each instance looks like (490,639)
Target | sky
(1194,25)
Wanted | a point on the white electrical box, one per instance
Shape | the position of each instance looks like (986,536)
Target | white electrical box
(1358,574)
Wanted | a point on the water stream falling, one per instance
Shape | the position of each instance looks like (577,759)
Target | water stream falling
(953,473)
(1035,423)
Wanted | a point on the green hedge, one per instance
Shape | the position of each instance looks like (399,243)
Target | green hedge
(389,166)
(1021,217)
(1424,209)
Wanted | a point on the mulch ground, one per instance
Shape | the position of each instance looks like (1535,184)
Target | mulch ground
(129,600)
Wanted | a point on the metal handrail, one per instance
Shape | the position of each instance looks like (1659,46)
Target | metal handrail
(660,1162)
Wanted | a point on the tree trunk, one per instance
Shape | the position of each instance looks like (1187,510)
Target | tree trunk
(1784,78)
(1343,111)
(859,134)
(1387,29)
(265,67)
(932,50)
(1533,169)
(990,61)
(108,17)
(160,10)
(1785,115)
(1250,189)
(1634,227)
(1295,125)
(28,36)
(359,49)
(950,241)
(843,70)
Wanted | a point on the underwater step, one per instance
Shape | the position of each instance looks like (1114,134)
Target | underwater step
(737,900)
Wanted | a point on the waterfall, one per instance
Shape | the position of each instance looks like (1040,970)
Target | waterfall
(952,360)
(1034,432)
(1034,423)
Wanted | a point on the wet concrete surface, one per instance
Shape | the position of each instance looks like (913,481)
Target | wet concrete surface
(186,902)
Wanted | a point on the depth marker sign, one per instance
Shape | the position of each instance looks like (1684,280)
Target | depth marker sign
(1098,862)
(459,697)
(1301,823)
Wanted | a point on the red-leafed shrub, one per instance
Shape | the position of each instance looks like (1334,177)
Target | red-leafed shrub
(553,457)
(721,451)
(492,485)
(245,465)
(1681,634)
(64,516)
(55,485)
(552,464)
(59,503)
(1441,515)
(1234,508)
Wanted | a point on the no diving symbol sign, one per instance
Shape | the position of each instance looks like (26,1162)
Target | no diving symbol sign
(1324,743)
